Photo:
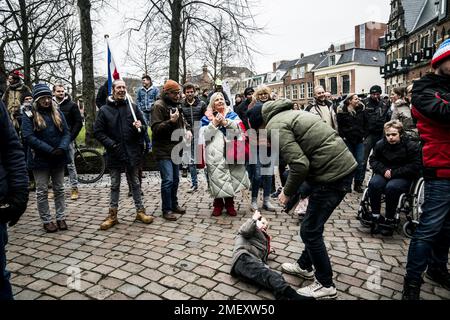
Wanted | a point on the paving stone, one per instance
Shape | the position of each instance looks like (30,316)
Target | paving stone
(175,295)
(98,292)
(130,290)
(27,295)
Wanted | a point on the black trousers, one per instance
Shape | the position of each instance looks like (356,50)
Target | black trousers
(256,272)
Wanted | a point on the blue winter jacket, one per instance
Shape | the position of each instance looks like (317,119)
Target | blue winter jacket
(42,143)
(145,98)
(13,174)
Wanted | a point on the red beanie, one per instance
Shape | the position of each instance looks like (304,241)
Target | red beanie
(171,85)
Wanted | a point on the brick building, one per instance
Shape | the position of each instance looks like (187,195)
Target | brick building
(415,30)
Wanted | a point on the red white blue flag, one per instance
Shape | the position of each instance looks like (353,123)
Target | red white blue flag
(113,73)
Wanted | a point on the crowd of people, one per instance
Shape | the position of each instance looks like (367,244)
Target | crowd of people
(321,153)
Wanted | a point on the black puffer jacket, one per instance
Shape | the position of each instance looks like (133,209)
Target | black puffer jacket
(72,115)
(352,126)
(114,126)
(193,113)
(377,114)
(403,159)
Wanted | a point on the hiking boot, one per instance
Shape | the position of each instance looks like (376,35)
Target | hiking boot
(168,215)
(317,291)
(111,220)
(411,290)
(179,210)
(377,222)
(141,216)
(296,270)
(74,194)
(439,276)
(62,226)
(50,227)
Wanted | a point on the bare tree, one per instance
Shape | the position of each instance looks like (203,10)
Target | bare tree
(236,13)
(87,59)
(28,25)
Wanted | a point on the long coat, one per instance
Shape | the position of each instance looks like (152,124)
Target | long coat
(225,179)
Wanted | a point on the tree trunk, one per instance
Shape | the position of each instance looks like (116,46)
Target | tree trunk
(87,63)
(174,53)
(25,43)
(3,74)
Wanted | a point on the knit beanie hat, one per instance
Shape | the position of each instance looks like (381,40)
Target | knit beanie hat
(41,90)
(248,91)
(441,54)
(25,95)
(171,85)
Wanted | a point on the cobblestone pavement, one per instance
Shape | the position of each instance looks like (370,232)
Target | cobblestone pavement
(189,258)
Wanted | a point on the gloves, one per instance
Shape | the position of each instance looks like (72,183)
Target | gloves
(57,152)
(13,208)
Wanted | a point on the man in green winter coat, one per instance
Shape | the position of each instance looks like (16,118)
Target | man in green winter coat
(315,154)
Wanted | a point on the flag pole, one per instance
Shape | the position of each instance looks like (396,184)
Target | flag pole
(129,99)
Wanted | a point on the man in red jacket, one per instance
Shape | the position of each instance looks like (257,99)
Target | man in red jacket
(429,247)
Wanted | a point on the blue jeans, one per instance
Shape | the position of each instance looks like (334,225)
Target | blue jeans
(193,164)
(147,117)
(324,198)
(357,151)
(430,243)
(254,171)
(5,285)
(132,175)
(392,189)
(170,179)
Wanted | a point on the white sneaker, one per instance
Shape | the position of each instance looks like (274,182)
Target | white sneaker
(294,269)
(318,291)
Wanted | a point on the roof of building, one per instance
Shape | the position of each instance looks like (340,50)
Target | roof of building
(428,13)
(361,56)
(236,71)
(314,59)
(287,64)
(418,13)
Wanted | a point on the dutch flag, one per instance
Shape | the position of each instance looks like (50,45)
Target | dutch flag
(113,73)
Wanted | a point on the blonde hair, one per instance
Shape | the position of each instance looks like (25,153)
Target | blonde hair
(213,99)
(38,119)
(394,124)
(262,89)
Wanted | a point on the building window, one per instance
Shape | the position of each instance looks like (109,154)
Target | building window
(302,91)
(288,92)
(346,84)
(302,73)
(332,60)
(413,47)
(294,74)
(310,90)
(333,85)
(322,83)
(424,41)
(294,92)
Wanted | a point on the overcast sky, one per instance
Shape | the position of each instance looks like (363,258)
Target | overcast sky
(292,27)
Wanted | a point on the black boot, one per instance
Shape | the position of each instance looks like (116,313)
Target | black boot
(376,224)
(411,290)
(358,188)
(387,228)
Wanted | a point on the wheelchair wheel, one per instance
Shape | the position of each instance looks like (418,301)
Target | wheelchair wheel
(418,200)
(364,212)
(410,227)
(90,165)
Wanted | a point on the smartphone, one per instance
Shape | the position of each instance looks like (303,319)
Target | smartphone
(215,113)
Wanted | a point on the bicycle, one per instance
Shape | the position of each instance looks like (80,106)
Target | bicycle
(90,164)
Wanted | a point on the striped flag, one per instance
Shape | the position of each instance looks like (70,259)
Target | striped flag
(113,73)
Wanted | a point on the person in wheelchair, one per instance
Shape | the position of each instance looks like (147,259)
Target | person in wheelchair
(396,163)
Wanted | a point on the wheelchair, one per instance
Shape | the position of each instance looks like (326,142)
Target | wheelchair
(409,204)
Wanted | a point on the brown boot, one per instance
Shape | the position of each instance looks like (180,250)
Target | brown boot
(141,216)
(111,220)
